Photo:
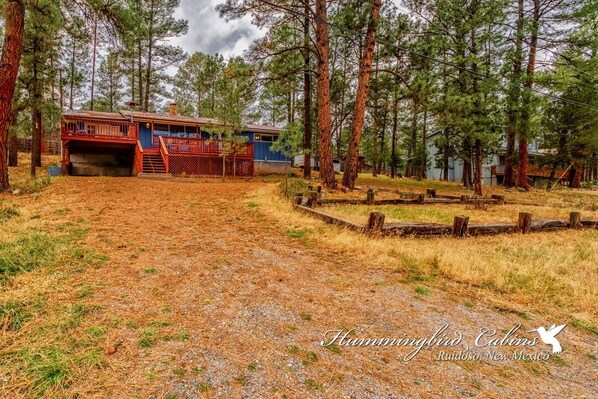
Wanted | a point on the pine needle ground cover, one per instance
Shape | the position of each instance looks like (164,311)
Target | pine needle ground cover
(126,287)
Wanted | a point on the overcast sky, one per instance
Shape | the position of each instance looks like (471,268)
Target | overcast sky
(211,34)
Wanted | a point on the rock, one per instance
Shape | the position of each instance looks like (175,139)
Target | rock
(16,192)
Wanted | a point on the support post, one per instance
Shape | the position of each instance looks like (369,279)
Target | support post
(298,199)
(369,199)
(464,199)
(430,192)
(525,222)
(312,200)
(420,199)
(375,222)
(575,220)
(460,224)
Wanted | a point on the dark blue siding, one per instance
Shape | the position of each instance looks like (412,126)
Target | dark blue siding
(262,150)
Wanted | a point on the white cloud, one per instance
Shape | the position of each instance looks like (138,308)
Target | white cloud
(211,34)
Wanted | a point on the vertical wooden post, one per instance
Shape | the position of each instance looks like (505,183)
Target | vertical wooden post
(464,199)
(460,224)
(525,222)
(369,199)
(430,192)
(375,222)
(575,220)
(312,200)
(298,199)
(420,198)
(319,191)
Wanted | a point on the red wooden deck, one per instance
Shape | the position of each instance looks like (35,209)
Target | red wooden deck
(180,156)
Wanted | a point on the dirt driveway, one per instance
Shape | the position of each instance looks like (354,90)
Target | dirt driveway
(206,296)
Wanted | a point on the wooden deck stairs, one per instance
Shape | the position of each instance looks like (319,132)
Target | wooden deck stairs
(153,163)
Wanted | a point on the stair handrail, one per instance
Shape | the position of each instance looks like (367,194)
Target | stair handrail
(164,154)
(139,157)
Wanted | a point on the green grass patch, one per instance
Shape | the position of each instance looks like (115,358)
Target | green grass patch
(8,211)
(48,368)
(13,315)
(585,326)
(312,385)
(147,338)
(28,252)
(296,233)
(291,186)
(419,290)
(333,348)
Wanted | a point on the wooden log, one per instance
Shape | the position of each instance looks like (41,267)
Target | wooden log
(298,199)
(375,222)
(575,220)
(312,200)
(417,229)
(441,201)
(491,229)
(319,189)
(549,224)
(369,199)
(310,188)
(500,199)
(331,219)
(346,201)
(524,224)
(396,201)
(589,223)
(460,225)
(431,193)
(420,198)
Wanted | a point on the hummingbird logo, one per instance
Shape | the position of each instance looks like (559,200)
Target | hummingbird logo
(549,336)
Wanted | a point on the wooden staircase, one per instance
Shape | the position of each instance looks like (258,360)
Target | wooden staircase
(153,163)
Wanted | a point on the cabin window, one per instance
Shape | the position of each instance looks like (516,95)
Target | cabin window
(270,138)
(191,131)
(177,130)
(160,129)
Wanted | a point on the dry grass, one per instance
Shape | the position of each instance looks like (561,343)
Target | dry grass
(445,213)
(523,273)
(124,287)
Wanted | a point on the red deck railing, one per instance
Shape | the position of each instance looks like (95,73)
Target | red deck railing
(99,129)
(196,146)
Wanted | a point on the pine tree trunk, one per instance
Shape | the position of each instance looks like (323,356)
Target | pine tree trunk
(324,119)
(363,82)
(36,115)
(527,99)
(395,119)
(14,16)
(514,99)
(478,167)
(72,82)
(409,168)
(306,98)
(93,62)
(140,74)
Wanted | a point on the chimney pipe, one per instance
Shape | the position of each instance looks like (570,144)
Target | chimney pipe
(172,111)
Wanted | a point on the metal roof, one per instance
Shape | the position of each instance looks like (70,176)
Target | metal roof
(150,116)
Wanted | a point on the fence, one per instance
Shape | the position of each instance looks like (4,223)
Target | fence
(51,147)
(460,227)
